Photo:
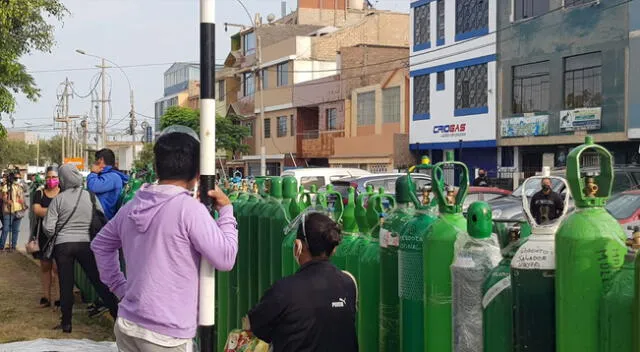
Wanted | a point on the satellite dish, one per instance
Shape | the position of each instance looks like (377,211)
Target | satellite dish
(271,17)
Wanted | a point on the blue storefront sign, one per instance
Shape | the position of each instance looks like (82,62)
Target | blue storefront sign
(527,126)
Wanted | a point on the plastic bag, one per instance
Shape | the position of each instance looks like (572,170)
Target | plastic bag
(473,261)
(243,341)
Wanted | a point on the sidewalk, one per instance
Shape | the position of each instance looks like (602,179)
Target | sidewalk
(23,319)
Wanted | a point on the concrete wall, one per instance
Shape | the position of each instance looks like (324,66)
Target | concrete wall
(390,29)
(633,75)
(559,34)
(275,144)
(362,66)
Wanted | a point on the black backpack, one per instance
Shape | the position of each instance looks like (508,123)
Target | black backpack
(98,219)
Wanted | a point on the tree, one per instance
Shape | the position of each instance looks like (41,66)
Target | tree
(24,28)
(146,157)
(229,132)
(51,150)
(16,153)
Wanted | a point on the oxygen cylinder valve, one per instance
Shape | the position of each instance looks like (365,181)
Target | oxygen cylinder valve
(634,241)
(426,195)
(254,188)
(451,195)
(590,188)
(245,186)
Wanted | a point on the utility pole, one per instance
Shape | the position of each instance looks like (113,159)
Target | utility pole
(263,148)
(66,119)
(103,75)
(85,149)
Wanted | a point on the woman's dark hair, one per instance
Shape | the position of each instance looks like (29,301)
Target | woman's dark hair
(322,234)
(177,157)
(51,168)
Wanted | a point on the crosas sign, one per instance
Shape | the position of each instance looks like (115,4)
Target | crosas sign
(455,128)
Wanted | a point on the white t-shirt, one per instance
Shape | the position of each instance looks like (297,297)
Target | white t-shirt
(132,329)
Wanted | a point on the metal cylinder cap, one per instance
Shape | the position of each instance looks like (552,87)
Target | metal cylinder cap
(275,189)
(479,222)
(404,188)
(289,187)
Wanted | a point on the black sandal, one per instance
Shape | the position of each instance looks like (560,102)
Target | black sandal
(44,302)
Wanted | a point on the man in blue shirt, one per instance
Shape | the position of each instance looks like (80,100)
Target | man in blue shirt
(106,181)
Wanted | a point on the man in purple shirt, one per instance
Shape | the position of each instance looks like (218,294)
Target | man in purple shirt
(164,233)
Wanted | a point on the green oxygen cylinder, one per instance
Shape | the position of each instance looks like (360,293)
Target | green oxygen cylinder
(229,280)
(497,300)
(369,288)
(254,213)
(438,254)
(590,249)
(289,264)
(349,232)
(389,240)
(616,312)
(533,278)
(280,218)
(243,258)
(272,206)
(410,273)
(355,249)
(477,254)
(636,297)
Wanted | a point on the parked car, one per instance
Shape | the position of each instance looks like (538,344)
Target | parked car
(510,207)
(625,207)
(388,181)
(322,176)
(484,194)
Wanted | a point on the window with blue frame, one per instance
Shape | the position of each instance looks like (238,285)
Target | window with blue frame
(421,97)
(471,90)
(472,18)
(440,24)
(421,27)
(440,80)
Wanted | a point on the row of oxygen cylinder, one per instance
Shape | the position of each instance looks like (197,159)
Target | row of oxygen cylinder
(572,284)
(432,280)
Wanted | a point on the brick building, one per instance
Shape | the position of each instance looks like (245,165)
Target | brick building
(358,118)
(303,46)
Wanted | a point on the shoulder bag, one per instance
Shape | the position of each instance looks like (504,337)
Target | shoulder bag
(32,245)
(98,219)
(47,251)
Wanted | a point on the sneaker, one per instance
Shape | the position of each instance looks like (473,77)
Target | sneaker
(96,311)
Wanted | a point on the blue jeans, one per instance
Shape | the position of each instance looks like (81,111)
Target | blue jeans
(11,224)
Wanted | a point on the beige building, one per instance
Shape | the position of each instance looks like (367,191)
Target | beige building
(360,117)
(300,47)
(23,136)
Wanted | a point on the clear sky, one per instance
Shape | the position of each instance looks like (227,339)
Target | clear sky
(147,34)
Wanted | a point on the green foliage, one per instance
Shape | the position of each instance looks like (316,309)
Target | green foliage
(51,151)
(24,28)
(16,153)
(229,132)
(146,157)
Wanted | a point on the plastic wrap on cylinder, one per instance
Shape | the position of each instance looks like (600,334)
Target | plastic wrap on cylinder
(474,259)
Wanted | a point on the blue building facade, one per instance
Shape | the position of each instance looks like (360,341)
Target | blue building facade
(453,65)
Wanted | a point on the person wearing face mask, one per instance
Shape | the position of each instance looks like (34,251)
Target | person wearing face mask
(481,180)
(67,223)
(41,201)
(546,205)
(313,310)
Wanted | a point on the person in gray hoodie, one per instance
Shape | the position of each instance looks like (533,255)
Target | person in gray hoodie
(70,214)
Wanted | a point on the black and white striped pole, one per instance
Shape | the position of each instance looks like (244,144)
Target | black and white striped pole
(207,303)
